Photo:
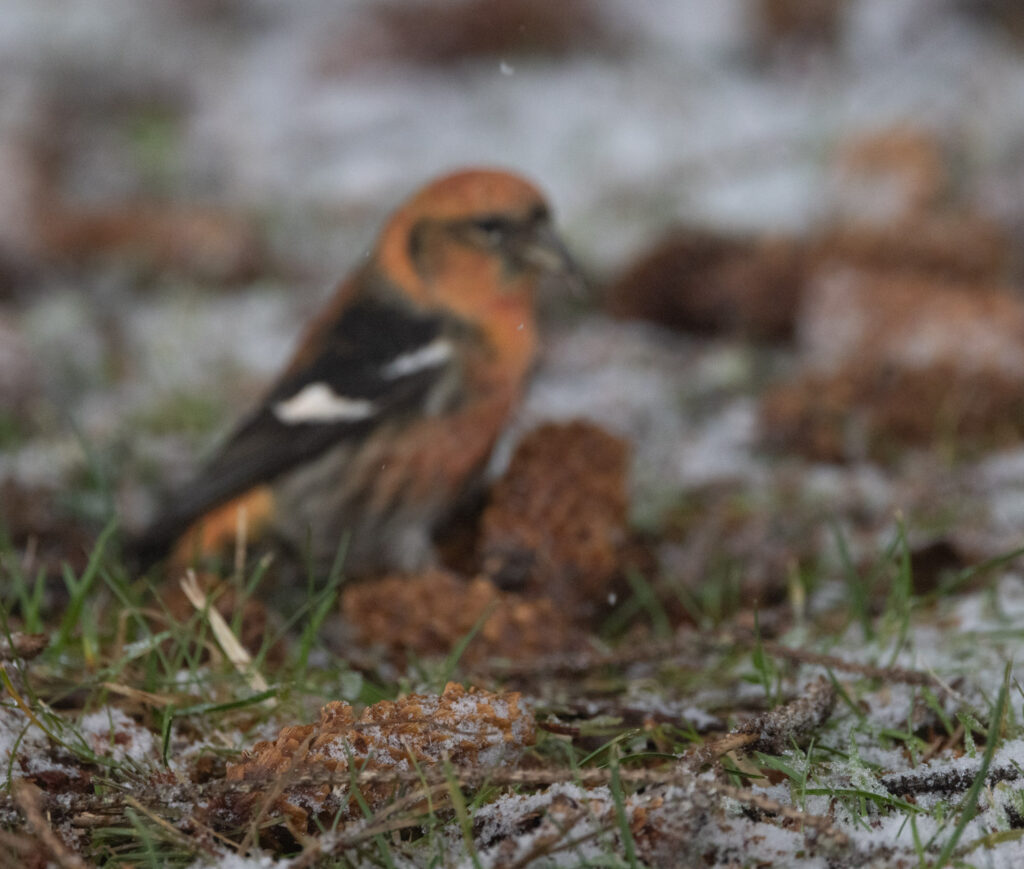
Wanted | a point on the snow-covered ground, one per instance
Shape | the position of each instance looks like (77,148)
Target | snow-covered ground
(302,121)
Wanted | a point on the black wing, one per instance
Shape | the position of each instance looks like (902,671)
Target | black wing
(380,359)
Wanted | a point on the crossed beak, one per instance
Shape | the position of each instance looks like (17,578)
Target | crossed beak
(543,250)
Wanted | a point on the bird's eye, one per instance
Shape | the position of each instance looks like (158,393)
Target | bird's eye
(493,228)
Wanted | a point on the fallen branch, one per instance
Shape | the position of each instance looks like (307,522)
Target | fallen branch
(950,780)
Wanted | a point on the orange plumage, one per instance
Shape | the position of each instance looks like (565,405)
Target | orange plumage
(387,413)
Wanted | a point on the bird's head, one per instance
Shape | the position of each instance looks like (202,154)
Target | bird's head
(474,242)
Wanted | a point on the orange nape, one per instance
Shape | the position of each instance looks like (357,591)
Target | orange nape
(220,529)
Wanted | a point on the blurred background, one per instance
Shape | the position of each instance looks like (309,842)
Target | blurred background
(182,182)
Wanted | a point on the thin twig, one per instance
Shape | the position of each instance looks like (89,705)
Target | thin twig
(165,825)
(689,644)
(818,823)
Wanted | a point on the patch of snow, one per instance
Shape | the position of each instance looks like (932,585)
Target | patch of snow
(111,733)
(231,860)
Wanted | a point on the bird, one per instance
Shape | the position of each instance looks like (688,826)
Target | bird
(384,419)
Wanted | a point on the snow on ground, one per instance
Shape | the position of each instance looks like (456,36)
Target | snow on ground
(277,116)
(674,125)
